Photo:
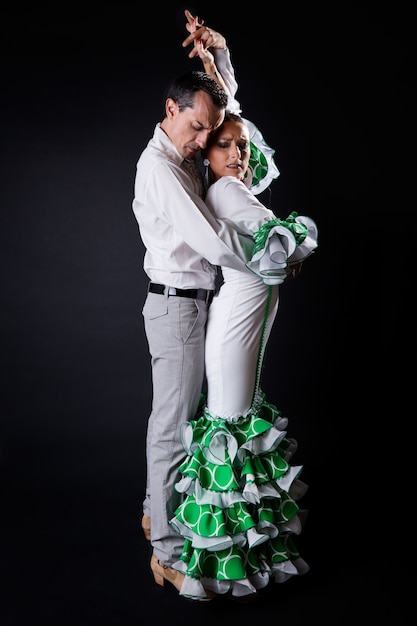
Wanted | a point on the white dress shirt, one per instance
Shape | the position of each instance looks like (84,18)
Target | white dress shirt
(182,238)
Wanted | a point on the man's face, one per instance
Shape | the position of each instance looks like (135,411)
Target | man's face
(189,129)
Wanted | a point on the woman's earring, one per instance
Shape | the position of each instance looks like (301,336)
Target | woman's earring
(206,164)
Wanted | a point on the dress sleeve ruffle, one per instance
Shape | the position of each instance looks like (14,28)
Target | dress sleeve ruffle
(280,244)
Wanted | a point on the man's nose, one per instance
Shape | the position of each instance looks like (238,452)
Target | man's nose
(203,138)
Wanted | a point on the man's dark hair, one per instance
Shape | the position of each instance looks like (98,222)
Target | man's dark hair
(183,90)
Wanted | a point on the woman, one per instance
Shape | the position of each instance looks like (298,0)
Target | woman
(240,511)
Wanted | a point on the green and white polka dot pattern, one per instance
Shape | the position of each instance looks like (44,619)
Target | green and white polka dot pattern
(263,169)
(239,511)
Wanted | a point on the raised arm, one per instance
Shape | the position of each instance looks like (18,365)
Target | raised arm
(211,47)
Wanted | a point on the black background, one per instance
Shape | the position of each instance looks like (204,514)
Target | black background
(330,86)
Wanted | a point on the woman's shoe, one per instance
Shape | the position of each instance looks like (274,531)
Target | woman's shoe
(146,527)
(161,573)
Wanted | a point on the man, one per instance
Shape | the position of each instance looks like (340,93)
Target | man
(184,244)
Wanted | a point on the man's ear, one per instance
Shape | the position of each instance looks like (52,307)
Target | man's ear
(171,108)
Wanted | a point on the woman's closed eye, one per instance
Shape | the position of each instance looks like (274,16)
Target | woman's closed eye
(243,146)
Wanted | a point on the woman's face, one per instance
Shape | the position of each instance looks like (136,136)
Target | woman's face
(229,150)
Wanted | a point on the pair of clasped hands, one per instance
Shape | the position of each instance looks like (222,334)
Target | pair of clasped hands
(202,37)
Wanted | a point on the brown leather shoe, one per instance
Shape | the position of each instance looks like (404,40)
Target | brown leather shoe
(146,527)
(161,573)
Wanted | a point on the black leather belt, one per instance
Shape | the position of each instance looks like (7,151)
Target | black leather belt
(196,294)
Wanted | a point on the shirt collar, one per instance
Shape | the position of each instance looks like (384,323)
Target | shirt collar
(164,143)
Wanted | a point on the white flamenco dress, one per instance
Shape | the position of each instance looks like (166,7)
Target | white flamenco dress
(239,512)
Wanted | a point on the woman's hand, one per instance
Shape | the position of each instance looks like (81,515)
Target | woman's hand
(202,37)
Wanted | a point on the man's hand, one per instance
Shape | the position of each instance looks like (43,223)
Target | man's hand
(207,37)
(294,271)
